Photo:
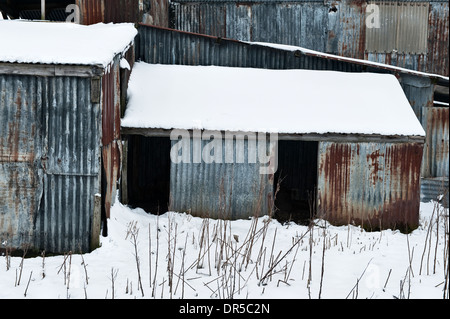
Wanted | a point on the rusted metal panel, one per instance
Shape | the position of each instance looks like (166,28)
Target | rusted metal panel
(414,34)
(438,38)
(111,145)
(346,23)
(117,11)
(435,121)
(91,11)
(370,184)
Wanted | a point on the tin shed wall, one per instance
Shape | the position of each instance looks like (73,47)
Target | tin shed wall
(111,145)
(376,185)
(435,121)
(48,187)
(117,11)
(228,190)
(337,27)
(21,109)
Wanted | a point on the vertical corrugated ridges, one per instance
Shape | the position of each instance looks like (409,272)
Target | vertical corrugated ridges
(220,190)
(413,34)
(371,184)
(20,182)
(72,133)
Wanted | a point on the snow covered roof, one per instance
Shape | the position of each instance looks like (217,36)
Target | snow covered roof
(63,43)
(260,100)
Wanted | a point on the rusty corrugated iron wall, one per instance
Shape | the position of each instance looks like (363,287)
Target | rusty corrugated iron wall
(111,144)
(95,11)
(49,162)
(376,185)
(435,121)
(337,27)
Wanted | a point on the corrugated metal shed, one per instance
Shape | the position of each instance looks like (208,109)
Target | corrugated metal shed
(166,46)
(59,153)
(390,170)
(414,34)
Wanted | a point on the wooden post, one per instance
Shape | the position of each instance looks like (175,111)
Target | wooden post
(42,9)
(96,222)
(124,174)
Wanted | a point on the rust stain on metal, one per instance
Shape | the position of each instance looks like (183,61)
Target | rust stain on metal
(380,188)
(117,11)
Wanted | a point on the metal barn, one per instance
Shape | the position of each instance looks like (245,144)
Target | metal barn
(60,132)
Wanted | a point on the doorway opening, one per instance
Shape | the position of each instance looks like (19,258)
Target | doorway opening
(148,176)
(296,180)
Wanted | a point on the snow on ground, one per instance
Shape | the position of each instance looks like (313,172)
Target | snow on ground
(255,258)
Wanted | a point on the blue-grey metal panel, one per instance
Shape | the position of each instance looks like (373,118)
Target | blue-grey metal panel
(229,190)
(432,188)
(20,152)
(72,165)
(49,162)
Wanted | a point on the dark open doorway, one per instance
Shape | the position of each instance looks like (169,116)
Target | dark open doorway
(148,173)
(297,180)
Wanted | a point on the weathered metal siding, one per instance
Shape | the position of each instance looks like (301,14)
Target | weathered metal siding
(336,27)
(48,188)
(435,121)
(72,165)
(117,11)
(20,151)
(221,190)
(432,188)
(165,46)
(438,38)
(376,185)
(91,11)
(111,144)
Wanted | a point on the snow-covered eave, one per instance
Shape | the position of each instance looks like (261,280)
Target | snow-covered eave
(94,69)
(317,137)
(384,66)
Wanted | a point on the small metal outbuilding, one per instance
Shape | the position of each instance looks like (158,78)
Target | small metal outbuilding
(61,87)
(333,156)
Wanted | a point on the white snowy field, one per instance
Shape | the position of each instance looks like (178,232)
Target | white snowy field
(180,256)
